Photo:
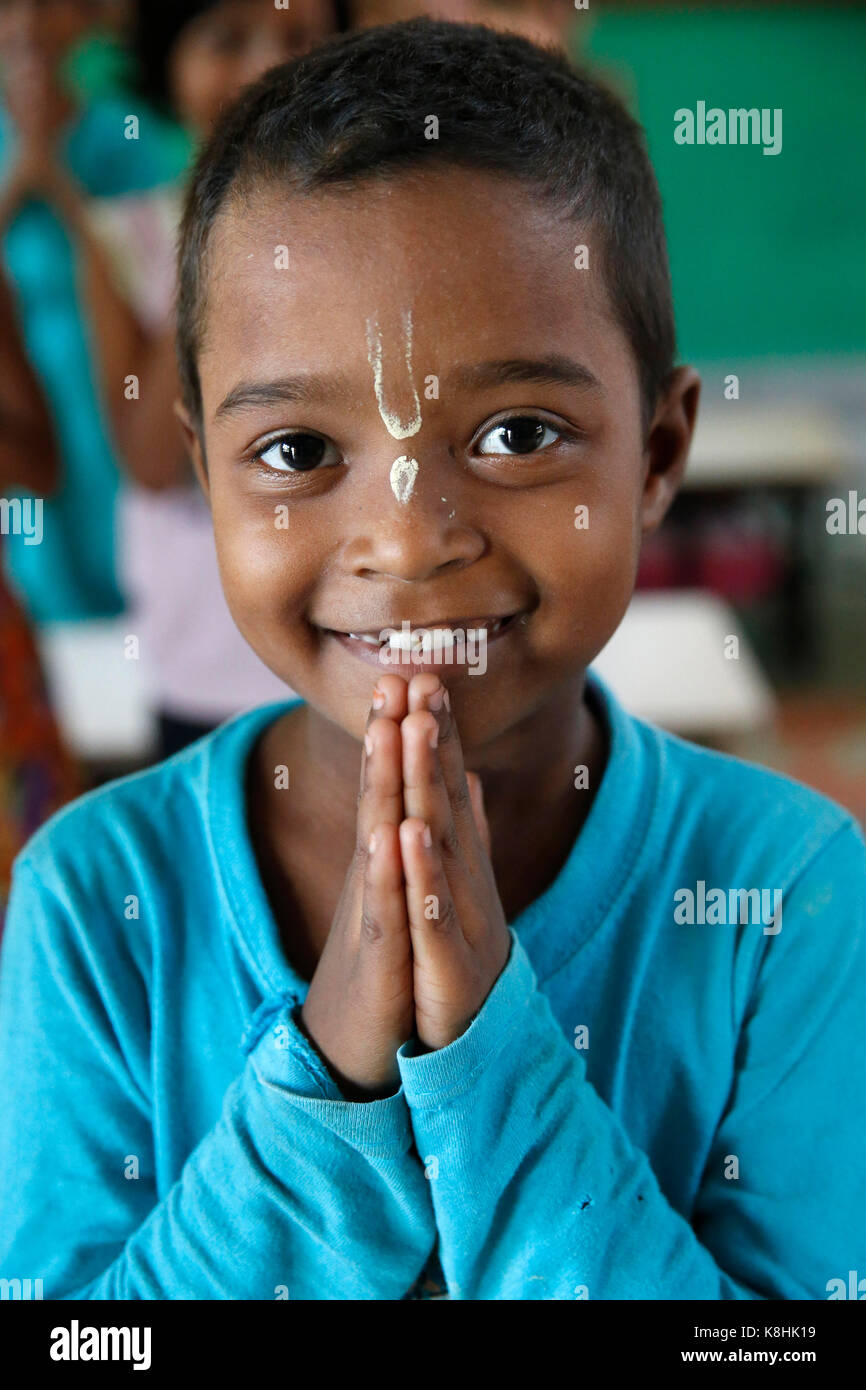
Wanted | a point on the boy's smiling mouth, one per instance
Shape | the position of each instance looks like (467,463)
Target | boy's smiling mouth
(435,644)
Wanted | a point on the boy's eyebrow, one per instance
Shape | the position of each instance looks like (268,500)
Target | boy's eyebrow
(302,389)
(305,388)
(555,369)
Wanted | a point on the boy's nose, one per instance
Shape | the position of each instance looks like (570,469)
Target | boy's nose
(414,539)
(411,554)
(409,566)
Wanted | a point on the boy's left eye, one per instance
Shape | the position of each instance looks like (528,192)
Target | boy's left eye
(298,453)
(521,434)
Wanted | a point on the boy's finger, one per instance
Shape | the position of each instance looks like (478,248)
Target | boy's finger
(457,840)
(389,699)
(381,795)
(425,692)
(381,791)
(383,920)
(384,946)
(434,926)
(395,691)
(476,793)
(425,794)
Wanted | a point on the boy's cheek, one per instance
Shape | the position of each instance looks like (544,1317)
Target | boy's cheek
(588,571)
(585,619)
(268,575)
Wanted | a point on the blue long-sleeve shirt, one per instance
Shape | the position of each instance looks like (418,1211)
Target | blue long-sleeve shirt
(657,1100)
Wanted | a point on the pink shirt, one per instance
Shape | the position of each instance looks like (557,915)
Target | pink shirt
(194,661)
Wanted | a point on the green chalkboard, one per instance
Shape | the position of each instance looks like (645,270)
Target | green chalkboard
(768,253)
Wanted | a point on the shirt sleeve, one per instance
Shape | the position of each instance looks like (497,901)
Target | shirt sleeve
(540,1193)
(294,1193)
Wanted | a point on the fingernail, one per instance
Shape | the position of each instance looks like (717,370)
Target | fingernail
(446,699)
(371,843)
(368,744)
(426,837)
(435,700)
(378,698)
(434,735)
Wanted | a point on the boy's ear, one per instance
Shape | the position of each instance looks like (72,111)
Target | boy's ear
(668,442)
(194,447)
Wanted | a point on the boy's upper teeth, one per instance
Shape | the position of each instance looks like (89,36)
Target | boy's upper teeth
(491,624)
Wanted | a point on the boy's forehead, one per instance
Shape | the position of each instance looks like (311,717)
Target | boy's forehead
(483,264)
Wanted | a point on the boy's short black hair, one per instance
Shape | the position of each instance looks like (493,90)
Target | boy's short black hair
(356,107)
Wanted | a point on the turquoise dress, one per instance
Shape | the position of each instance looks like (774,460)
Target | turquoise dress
(71,574)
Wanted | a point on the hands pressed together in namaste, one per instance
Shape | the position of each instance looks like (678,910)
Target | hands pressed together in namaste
(419,937)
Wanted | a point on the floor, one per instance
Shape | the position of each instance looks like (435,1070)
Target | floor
(819,739)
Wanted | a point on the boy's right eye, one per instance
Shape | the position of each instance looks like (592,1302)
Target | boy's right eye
(298,453)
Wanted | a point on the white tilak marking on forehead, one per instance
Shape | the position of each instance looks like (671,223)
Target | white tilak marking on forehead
(391,421)
(404,471)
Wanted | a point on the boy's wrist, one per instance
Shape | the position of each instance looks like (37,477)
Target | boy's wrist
(431,1076)
(285,1063)
(349,1090)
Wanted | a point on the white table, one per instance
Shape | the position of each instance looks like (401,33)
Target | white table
(667,664)
(98,694)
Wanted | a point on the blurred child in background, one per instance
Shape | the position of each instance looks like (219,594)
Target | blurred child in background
(547,22)
(36,774)
(194,58)
(49,135)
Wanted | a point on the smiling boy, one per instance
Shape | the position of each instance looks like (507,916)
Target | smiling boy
(470,1026)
